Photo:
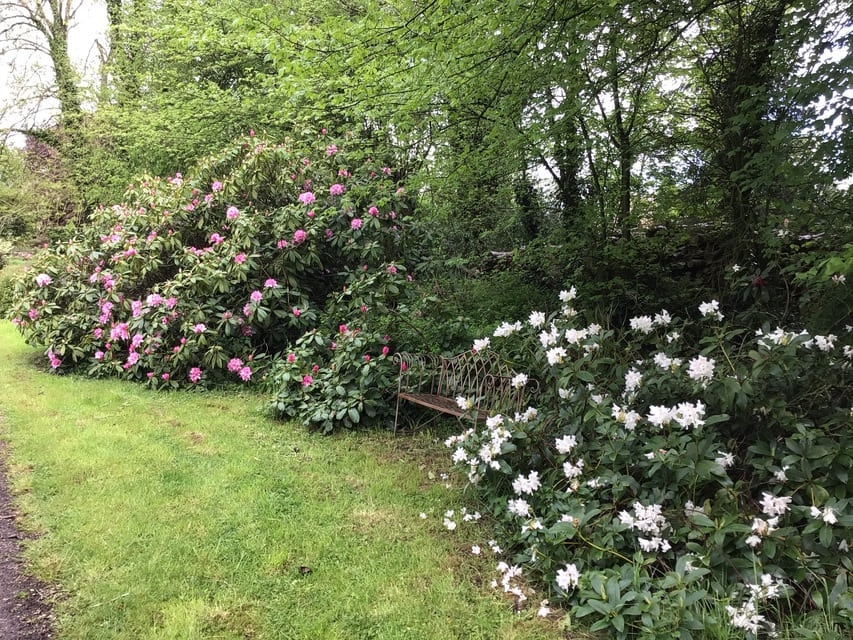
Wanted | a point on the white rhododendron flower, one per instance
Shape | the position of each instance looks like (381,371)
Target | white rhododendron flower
(643,324)
(550,337)
(659,415)
(566,443)
(626,416)
(774,505)
(555,355)
(568,296)
(662,319)
(464,403)
(701,368)
(481,344)
(527,484)
(633,380)
(687,414)
(711,310)
(725,460)
(494,421)
(536,319)
(568,577)
(507,329)
(827,515)
(519,507)
(573,470)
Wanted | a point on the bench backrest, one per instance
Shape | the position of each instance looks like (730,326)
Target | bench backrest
(483,377)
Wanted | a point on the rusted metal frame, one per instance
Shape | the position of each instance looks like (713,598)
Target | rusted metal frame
(456,375)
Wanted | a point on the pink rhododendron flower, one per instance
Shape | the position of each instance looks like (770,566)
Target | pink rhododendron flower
(299,236)
(136,341)
(329,233)
(315,368)
(208,197)
(256,296)
(199,328)
(367,358)
(291,357)
(342,328)
(337,189)
(240,258)
(307,380)
(247,310)
(373,211)
(391,268)
(119,332)
(245,373)
(386,171)
(281,244)
(385,350)
(232,212)
(331,150)
(99,355)
(307,197)
(98,332)
(270,283)
(43,279)
(234,365)
(297,312)
(195,375)
(216,186)
(356,223)
(150,374)
(165,376)
(215,238)
(310,214)
(132,359)
(136,308)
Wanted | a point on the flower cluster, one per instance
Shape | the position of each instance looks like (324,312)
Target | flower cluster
(190,274)
(648,456)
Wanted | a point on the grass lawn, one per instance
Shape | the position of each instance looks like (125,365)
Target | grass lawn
(189,515)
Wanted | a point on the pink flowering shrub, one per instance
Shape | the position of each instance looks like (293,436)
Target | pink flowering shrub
(345,379)
(673,465)
(221,263)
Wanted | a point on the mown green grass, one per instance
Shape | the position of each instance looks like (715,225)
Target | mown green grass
(189,515)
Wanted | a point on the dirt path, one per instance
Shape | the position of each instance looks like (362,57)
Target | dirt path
(24,615)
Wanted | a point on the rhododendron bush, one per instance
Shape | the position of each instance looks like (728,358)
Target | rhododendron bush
(673,477)
(199,278)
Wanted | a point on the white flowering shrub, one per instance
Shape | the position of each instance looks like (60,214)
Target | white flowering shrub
(674,477)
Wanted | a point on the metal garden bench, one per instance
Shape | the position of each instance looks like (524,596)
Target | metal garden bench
(435,382)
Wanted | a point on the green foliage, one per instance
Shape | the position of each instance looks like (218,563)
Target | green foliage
(209,489)
(191,276)
(346,380)
(673,464)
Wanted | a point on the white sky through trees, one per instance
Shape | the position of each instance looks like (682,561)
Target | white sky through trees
(26,76)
